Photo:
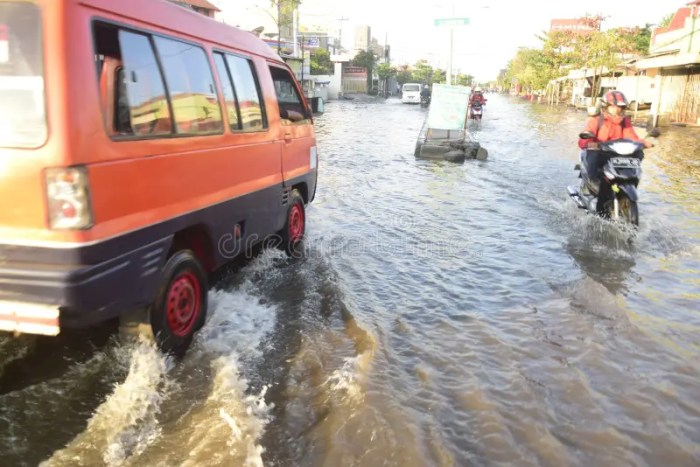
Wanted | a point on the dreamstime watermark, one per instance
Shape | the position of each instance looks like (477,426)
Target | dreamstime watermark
(403,244)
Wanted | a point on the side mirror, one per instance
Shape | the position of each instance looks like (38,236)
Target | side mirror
(586,135)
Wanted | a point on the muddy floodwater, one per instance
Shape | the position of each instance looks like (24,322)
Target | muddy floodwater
(443,314)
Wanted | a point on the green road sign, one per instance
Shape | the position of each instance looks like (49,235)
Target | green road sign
(452,22)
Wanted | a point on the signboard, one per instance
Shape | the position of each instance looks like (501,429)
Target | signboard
(452,22)
(312,42)
(448,107)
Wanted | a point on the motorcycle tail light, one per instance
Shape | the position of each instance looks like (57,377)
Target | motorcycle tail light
(68,198)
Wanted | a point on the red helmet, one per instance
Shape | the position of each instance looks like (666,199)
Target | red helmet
(615,98)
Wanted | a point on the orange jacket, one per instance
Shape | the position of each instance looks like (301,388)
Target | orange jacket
(612,128)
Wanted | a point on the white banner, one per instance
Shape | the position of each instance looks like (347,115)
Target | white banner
(448,107)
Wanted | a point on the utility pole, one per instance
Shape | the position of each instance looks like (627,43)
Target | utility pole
(279,32)
(295,32)
(449,62)
(340,34)
(302,63)
(385,84)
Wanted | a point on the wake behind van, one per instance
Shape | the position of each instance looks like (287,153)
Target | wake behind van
(410,93)
(142,146)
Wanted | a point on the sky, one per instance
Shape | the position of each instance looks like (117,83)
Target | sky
(496,28)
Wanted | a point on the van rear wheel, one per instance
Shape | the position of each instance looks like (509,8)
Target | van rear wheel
(179,309)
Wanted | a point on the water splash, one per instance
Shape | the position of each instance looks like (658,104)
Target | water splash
(126,423)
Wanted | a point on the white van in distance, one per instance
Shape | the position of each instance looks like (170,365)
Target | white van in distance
(410,93)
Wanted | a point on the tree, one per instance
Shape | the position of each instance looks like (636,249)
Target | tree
(284,19)
(321,62)
(439,76)
(529,69)
(385,71)
(404,75)
(365,59)
(666,20)
(564,50)
(422,72)
(464,80)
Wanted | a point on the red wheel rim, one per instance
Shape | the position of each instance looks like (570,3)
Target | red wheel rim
(296,223)
(184,303)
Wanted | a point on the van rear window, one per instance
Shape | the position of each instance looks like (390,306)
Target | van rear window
(23,114)
(411,87)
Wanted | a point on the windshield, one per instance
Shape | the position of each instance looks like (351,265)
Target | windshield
(22,119)
(411,87)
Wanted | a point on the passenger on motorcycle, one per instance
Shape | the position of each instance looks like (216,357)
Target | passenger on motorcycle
(611,123)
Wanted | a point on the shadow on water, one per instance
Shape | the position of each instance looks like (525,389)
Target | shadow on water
(32,360)
(607,266)
(50,387)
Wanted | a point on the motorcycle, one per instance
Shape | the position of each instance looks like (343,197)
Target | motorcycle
(609,174)
(476,111)
(424,101)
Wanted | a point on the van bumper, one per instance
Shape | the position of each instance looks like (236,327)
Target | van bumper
(42,297)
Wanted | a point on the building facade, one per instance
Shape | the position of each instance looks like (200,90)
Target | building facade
(674,63)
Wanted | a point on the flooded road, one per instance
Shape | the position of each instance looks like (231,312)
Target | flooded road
(444,314)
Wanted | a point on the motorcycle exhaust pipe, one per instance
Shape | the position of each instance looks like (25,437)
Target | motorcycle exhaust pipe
(574,194)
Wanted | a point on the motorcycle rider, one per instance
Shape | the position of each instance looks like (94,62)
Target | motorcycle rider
(425,93)
(477,97)
(611,123)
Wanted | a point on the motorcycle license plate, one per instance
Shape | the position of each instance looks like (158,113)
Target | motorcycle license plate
(625,162)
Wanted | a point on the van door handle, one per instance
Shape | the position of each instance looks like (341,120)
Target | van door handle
(288,136)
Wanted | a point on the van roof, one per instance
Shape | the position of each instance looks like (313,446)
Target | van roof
(169,16)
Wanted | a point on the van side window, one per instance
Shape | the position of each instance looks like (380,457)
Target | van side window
(230,101)
(291,105)
(148,103)
(246,87)
(191,87)
(132,92)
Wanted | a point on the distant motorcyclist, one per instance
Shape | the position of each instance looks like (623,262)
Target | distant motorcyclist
(611,123)
(425,92)
(477,97)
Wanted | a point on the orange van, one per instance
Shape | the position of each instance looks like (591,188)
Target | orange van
(142,146)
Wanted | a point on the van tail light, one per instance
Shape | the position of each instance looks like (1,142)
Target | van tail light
(68,197)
